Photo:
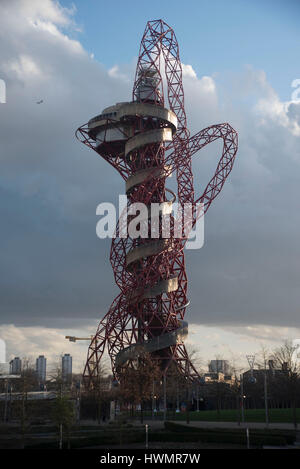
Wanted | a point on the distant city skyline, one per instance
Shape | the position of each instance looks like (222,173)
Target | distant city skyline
(17,364)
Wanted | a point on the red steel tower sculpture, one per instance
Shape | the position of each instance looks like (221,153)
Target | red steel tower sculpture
(146,141)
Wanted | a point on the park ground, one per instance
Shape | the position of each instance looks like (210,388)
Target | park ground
(205,430)
(231,415)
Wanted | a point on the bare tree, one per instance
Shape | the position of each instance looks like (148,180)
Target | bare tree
(56,378)
(194,356)
(100,389)
(283,356)
(136,383)
(262,357)
(288,379)
(64,417)
(28,382)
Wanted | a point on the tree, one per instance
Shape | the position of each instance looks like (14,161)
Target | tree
(100,387)
(194,356)
(283,356)
(64,416)
(56,381)
(175,386)
(262,358)
(236,371)
(26,383)
(287,379)
(136,381)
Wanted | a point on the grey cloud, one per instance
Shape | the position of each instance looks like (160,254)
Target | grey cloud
(53,268)
(294,112)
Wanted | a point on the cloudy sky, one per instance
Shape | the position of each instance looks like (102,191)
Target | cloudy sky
(239,61)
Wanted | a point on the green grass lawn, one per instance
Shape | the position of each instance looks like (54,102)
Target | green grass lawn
(251,415)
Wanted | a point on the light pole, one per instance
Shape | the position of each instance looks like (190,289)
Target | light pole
(242,397)
(177,398)
(165,397)
(78,392)
(5,405)
(197,396)
(153,400)
(251,360)
(146,428)
(266,398)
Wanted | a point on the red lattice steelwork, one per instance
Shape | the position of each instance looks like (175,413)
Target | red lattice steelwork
(146,142)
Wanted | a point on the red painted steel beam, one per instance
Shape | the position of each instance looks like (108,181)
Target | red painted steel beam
(140,319)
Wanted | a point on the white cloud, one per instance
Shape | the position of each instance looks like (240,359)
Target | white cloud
(233,343)
(188,71)
(23,68)
(267,106)
(201,98)
(272,109)
(115,72)
(206,84)
(30,342)
(35,10)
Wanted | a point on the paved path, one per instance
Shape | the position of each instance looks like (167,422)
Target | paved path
(262,425)
(203,424)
